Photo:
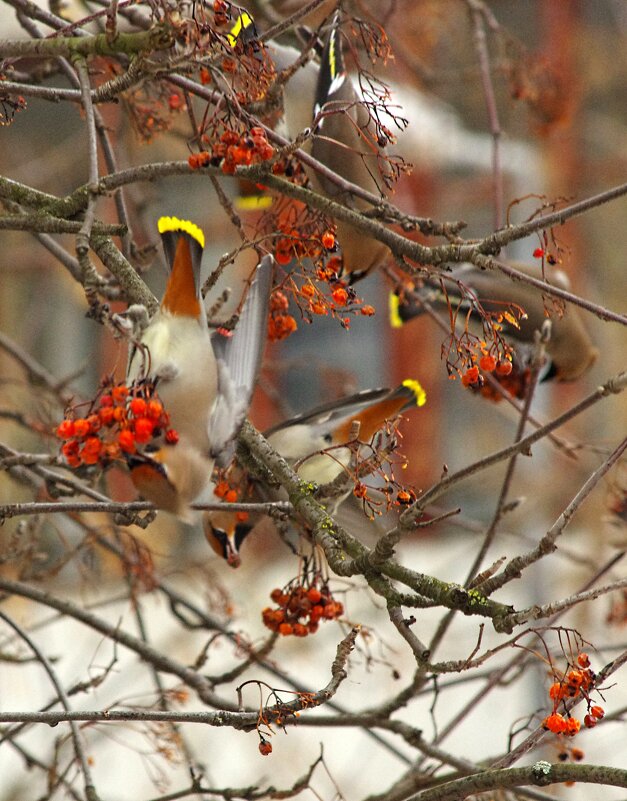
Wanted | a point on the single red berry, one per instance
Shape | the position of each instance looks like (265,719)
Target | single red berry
(69,449)
(283,256)
(126,441)
(138,407)
(143,429)
(597,712)
(572,726)
(119,394)
(154,409)
(81,428)
(328,240)
(314,595)
(265,748)
(340,296)
(555,723)
(504,367)
(171,436)
(538,253)
(65,429)
(106,415)
(583,660)
(487,363)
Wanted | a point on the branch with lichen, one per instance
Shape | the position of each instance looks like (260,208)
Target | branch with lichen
(348,557)
(129,44)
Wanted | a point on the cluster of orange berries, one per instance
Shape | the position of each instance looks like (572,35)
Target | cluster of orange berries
(577,681)
(296,245)
(280,323)
(234,149)
(119,420)
(512,378)
(473,378)
(229,495)
(300,609)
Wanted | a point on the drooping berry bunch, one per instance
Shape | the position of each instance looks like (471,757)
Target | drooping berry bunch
(340,300)
(300,609)
(578,681)
(229,494)
(115,423)
(233,149)
(513,377)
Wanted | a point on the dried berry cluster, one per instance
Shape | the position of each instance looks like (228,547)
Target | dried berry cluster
(233,149)
(300,609)
(577,681)
(117,421)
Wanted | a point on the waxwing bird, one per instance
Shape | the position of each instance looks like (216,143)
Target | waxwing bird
(570,349)
(175,348)
(344,142)
(205,383)
(316,444)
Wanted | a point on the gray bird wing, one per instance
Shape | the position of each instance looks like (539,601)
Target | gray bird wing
(239,360)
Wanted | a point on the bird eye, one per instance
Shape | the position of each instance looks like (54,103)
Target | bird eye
(218,540)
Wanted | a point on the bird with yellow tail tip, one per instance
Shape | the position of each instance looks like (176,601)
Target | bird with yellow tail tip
(317,445)
(344,140)
(570,349)
(204,382)
(345,144)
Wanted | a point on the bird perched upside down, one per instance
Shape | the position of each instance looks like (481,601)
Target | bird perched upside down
(317,445)
(204,382)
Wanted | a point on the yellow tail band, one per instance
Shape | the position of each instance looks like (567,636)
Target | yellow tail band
(416,388)
(166,224)
(393,306)
(241,23)
(253,202)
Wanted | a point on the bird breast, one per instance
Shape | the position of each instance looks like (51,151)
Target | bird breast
(182,361)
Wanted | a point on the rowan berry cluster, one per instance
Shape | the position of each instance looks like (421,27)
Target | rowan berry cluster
(300,609)
(280,323)
(116,422)
(294,244)
(233,149)
(578,681)
(230,494)
(512,377)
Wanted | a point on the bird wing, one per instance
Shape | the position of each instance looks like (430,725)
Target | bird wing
(371,407)
(239,360)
